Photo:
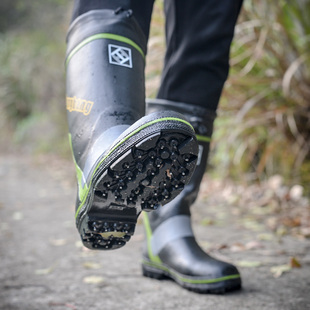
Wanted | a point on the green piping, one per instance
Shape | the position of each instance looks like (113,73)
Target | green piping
(192,281)
(110,36)
(148,230)
(79,172)
(85,190)
(203,138)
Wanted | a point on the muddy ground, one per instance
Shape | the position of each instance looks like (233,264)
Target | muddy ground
(44,266)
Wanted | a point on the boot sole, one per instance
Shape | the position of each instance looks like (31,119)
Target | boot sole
(196,284)
(148,169)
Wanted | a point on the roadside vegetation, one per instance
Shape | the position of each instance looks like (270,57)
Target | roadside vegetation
(263,127)
(265,112)
(32,49)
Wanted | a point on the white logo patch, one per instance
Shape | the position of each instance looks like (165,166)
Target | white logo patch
(120,56)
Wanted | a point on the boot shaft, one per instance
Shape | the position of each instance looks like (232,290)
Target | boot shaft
(105,79)
(202,121)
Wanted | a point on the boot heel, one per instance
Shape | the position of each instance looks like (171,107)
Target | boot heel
(105,234)
(151,272)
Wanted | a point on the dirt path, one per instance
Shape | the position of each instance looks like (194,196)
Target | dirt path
(43,265)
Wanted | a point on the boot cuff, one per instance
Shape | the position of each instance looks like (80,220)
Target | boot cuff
(108,22)
(201,118)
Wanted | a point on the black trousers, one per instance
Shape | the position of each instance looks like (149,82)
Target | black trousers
(198,39)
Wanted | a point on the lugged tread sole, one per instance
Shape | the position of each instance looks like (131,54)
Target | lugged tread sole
(150,173)
(164,273)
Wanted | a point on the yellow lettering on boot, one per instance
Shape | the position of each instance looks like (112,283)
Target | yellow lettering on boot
(79,105)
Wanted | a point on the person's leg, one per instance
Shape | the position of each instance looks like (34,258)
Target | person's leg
(199,34)
(121,156)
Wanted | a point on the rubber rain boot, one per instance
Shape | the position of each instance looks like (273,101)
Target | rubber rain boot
(171,250)
(125,162)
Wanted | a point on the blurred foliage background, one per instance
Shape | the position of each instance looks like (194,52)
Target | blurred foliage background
(32,90)
(266,104)
(263,124)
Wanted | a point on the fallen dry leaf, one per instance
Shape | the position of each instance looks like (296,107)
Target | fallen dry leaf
(220,247)
(248,264)
(272,222)
(207,221)
(93,280)
(291,222)
(294,263)
(169,174)
(277,271)
(266,237)
(281,231)
(305,232)
(62,305)
(58,242)
(252,224)
(237,247)
(17,216)
(91,265)
(45,271)
(252,245)
(79,244)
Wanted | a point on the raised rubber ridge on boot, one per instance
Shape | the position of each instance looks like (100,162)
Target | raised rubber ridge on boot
(148,167)
(110,36)
(198,284)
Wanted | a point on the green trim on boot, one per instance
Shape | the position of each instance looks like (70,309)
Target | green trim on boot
(148,230)
(110,36)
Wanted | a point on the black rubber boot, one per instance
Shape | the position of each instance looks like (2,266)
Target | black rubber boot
(125,162)
(171,249)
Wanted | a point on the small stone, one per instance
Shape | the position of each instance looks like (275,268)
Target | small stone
(126,165)
(161,144)
(139,154)
(129,175)
(158,162)
(145,182)
(152,154)
(186,157)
